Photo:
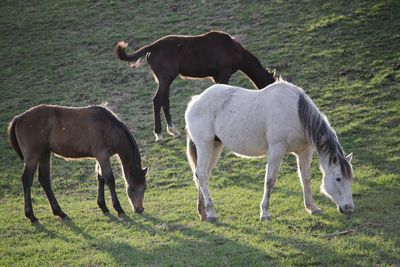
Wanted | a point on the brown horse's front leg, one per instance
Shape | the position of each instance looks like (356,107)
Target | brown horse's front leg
(100,190)
(44,179)
(100,194)
(27,179)
(108,176)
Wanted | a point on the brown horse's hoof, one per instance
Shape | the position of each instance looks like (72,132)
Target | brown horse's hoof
(122,216)
(61,214)
(65,218)
(34,221)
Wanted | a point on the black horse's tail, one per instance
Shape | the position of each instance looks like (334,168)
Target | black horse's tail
(12,137)
(135,56)
(191,153)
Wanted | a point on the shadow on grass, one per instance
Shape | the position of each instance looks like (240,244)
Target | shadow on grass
(185,245)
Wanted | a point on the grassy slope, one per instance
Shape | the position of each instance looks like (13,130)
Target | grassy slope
(343,54)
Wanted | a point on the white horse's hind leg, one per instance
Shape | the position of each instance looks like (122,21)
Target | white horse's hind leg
(213,161)
(204,155)
(275,156)
(304,169)
(218,146)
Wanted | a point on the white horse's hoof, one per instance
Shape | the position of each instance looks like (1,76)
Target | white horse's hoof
(266,218)
(314,210)
(265,215)
(172,131)
(211,219)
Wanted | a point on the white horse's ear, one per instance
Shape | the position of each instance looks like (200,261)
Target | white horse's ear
(349,157)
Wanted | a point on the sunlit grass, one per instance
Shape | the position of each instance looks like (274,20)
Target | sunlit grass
(343,54)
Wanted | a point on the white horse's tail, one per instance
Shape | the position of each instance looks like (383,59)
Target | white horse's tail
(191,153)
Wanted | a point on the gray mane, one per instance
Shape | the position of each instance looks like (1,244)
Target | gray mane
(320,133)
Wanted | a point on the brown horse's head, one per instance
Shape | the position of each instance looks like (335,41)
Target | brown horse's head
(136,191)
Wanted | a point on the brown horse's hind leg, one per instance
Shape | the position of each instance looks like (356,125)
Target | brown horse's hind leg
(108,176)
(44,179)
(27,179)
(100,190)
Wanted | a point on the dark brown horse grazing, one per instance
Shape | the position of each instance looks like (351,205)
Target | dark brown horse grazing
(93,132)
(214,54)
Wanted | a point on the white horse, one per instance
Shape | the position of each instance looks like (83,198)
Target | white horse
(276,120)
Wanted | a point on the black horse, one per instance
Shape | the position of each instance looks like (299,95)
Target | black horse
(214,54)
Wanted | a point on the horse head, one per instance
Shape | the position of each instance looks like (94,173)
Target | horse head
(136,191)
(336,183)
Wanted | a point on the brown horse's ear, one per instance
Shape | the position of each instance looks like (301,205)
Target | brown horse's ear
(145,170)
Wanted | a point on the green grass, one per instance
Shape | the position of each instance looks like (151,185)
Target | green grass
(343,53)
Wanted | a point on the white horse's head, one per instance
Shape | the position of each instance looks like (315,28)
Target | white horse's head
(336,182)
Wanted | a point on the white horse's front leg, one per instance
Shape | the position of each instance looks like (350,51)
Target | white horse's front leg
(275,156)
(304,169)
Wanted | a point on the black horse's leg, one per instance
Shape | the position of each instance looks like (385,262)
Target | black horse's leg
(223,77)
(108,176)
(44,179)
(164,97)
(100,190)
(27,179)
(157,117)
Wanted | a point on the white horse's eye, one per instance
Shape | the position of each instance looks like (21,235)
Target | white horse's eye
(338,179)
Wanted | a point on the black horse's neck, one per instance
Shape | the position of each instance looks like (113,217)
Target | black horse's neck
(255,71)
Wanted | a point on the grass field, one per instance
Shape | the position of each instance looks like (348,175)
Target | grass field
(346,56)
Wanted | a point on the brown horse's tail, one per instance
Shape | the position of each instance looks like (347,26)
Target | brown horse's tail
(135,56)
(191,153)
(12,137)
